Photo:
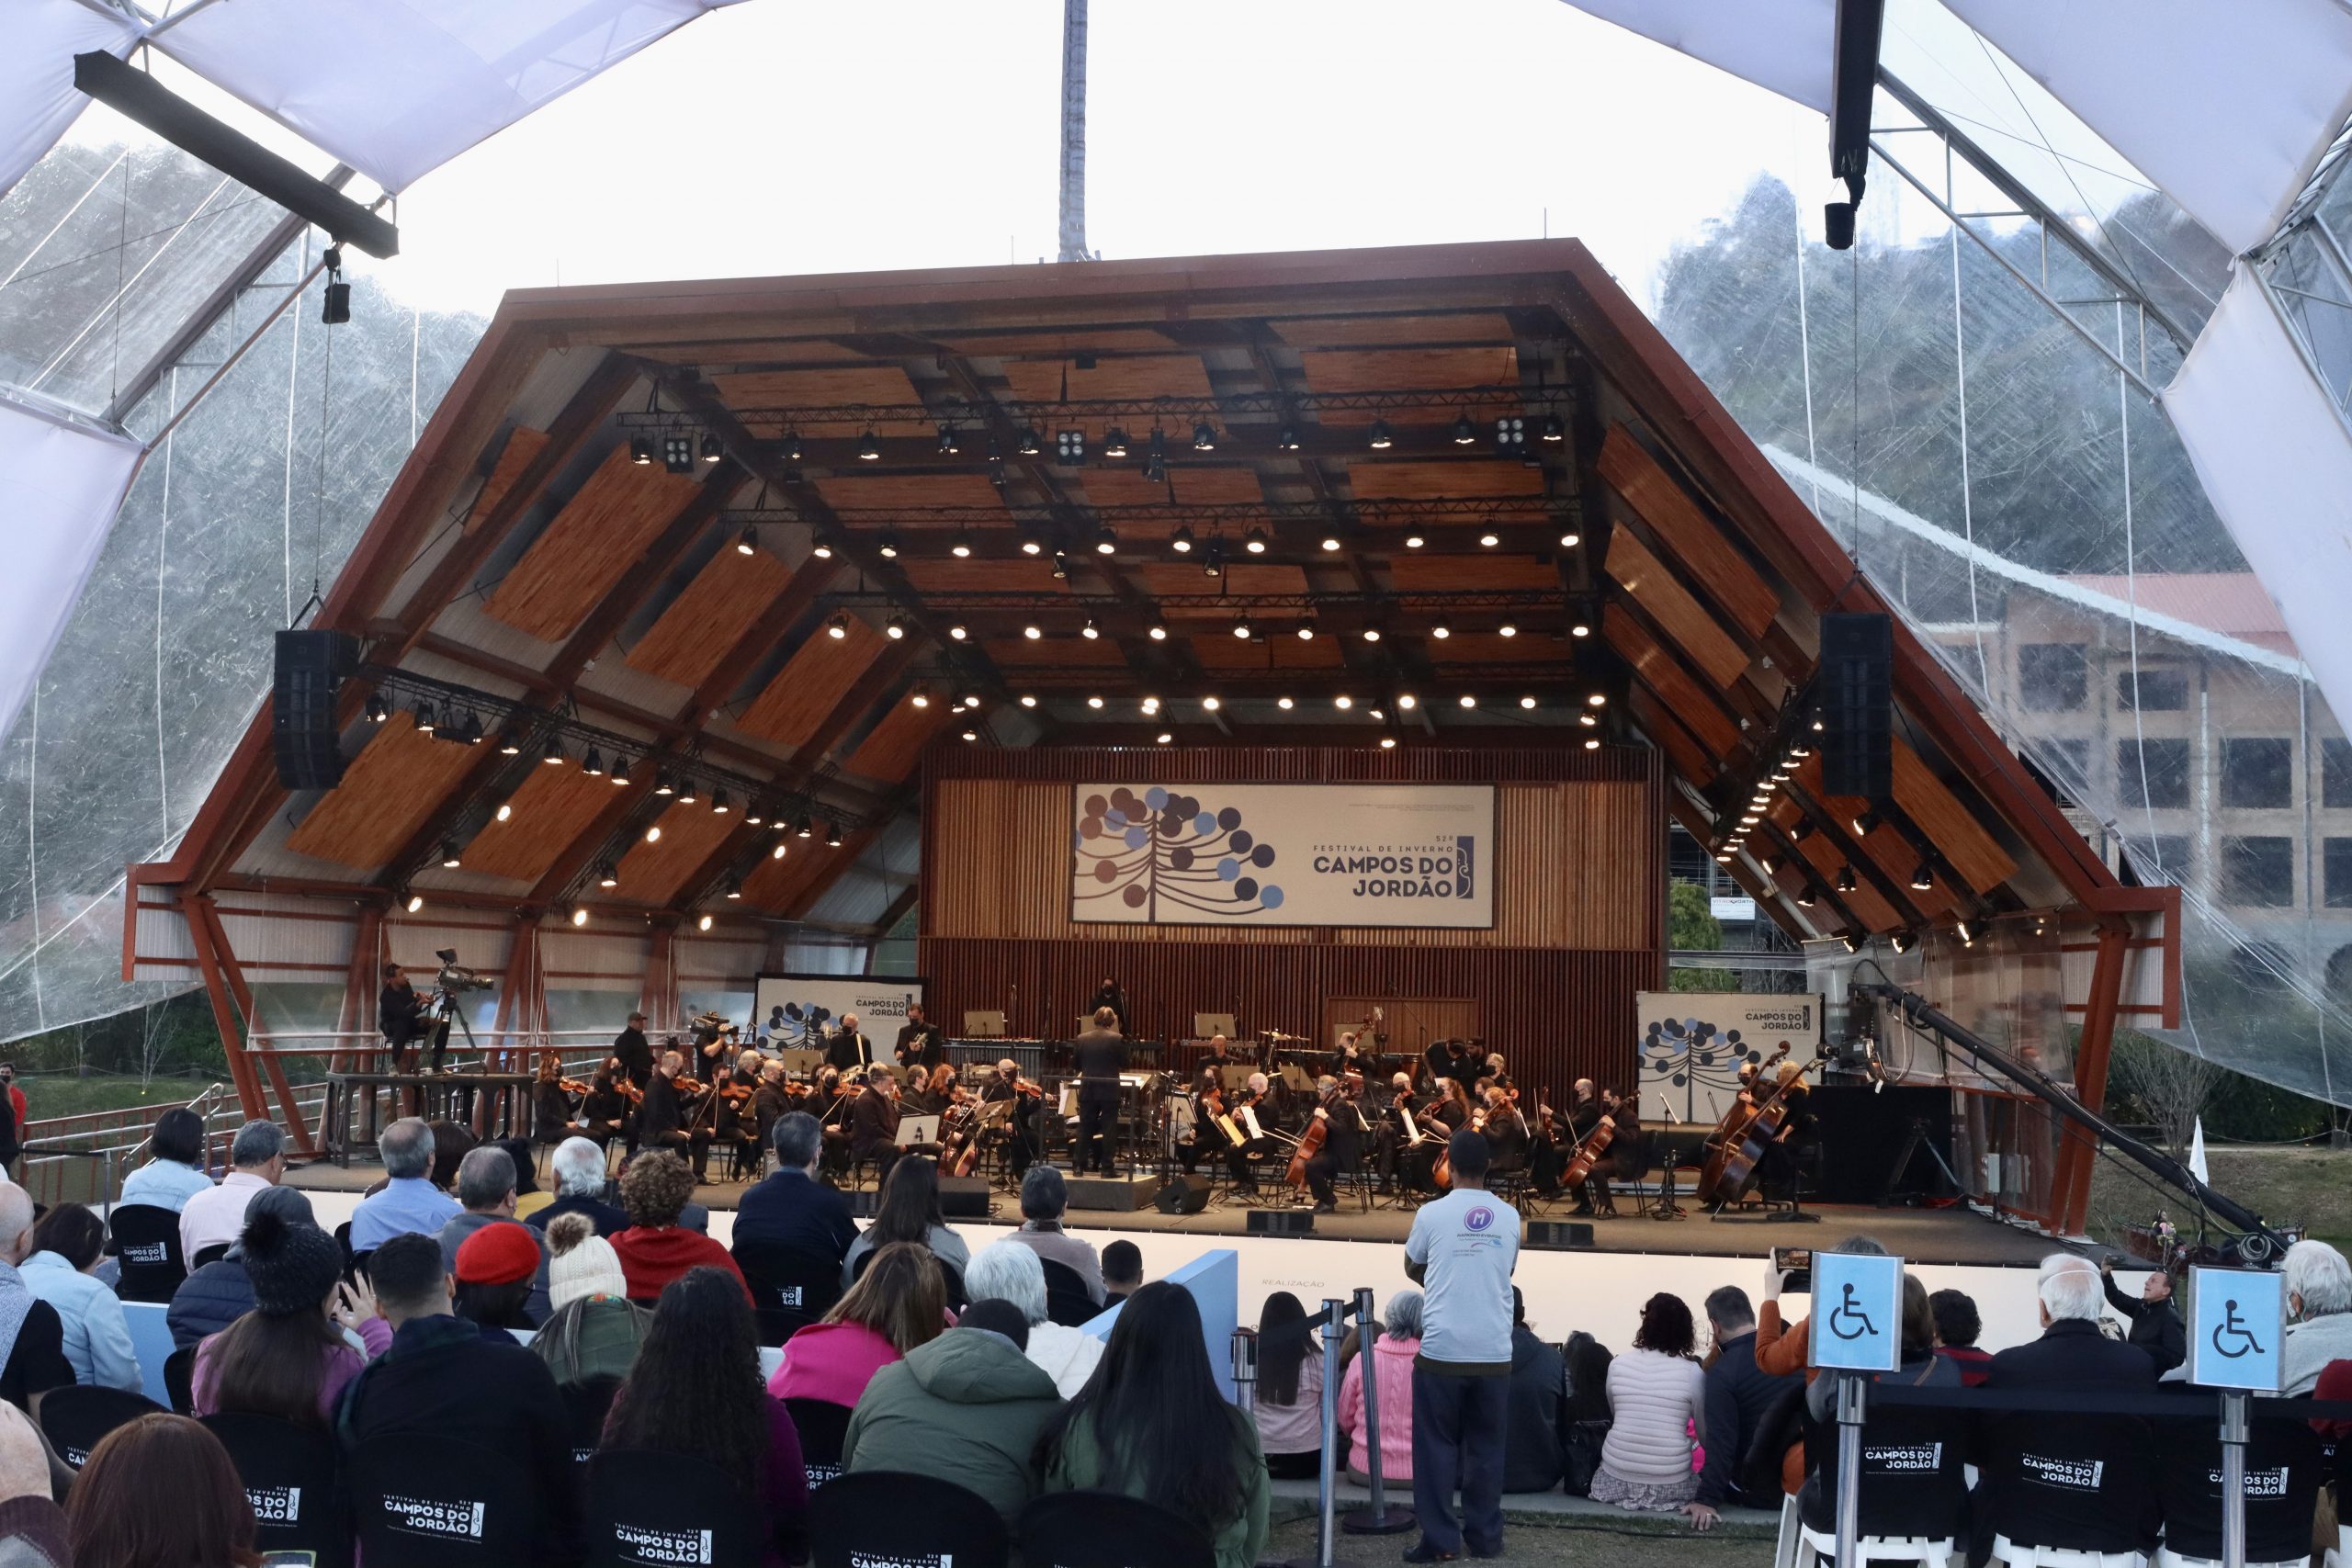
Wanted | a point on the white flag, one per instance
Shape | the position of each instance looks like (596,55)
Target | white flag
(2197,1151)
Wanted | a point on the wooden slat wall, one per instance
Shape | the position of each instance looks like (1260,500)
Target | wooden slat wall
(1677,613)
(889,751)
(792,707)
(1580,884)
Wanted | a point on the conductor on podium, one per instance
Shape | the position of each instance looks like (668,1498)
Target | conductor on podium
(1101,1055)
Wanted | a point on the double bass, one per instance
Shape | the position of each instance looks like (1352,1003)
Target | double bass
(1730,1166)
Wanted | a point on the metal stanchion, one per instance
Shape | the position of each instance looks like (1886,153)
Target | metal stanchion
(1245,1372)
(1378,1518)
(1849,1466)
(1327,1479)
(2234,1441)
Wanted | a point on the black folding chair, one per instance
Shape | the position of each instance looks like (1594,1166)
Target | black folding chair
(776,1325)
(296,1487)
(586,1405)
(204,1254)
(2079,1483)
(2283,1464)
(907,1520)
(1107,1530)
(146,1236)
(431,1503)
(659,1507)
(179,1379)
(790,1281)
(74,1417)
(1914,1483)
(1068,1300)
(822,1427)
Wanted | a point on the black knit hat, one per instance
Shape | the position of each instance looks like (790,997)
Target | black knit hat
(292,1265)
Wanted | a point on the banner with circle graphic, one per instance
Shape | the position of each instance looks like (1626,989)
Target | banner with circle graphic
(1148,853)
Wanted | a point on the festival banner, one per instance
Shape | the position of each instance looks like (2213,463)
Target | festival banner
(1323,854)
(797,1011)
(1692,1044)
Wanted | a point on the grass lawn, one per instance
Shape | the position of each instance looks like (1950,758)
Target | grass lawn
(64,1095)
(2295,1185)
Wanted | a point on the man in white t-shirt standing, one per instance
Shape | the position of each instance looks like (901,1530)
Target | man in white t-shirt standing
(1462,1252)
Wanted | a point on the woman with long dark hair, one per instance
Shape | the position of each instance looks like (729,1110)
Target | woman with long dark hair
(695,1390)
(1657,1400)
(287,1357)
(1151,1423)
(1290,1389)
(159,1493)
(908,1211)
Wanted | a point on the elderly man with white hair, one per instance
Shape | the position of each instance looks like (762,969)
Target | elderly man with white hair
(1006,1270)
(2072,1354)
(577,1168)
(2319,1309)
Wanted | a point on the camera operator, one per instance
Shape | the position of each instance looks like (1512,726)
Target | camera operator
(400,1015)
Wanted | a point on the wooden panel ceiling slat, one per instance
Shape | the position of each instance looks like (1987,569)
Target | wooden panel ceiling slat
(1349,332)
(1954,828)
(551,808)
(1492,648)
(1659,670)
(1408,369)
(910,493)
(1018,574)
(1172,585)
(398,779)
(1055,652)
(1038,382)
(1409,572)
(694,633)
(1462,479)
(888,754)
(1875,913)
(791,706)
(843,386)
(523,444)
(1678,615)
(589,546)
(1052,345)
(1712,560)
(1189,486)
(779,886)
(1280,650)
(655,873)
(1887,848)
(1690,759)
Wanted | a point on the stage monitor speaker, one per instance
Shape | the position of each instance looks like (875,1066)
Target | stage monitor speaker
(310,666)
(862,1203)
(1281,1222)
(1183,1195)
(1558,1235)
(1856,705)
(964,1197)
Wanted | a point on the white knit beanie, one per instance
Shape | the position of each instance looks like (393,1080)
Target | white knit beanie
(581,1263)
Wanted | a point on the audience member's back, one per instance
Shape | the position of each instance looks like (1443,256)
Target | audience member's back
(2072,1352)
(967,1409)
(791,1211)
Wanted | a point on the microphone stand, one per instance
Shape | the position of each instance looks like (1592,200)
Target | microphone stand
(1666,1208)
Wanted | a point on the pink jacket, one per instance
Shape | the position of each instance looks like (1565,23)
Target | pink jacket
(1396,1378)
(831,1361)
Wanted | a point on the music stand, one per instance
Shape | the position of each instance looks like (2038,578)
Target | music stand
(913,1130)
(980,1024)
(800,1060)
(1295,1076)
(1236,1076)
(1207,1024)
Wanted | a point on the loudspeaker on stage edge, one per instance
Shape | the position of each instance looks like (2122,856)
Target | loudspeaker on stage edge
(964,1197)
(1183,1195)
(1557,1236)
(1281,1222)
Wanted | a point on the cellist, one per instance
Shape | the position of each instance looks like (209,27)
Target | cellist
(1337,1110)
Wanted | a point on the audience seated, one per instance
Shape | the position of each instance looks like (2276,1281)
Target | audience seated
(175,1170)
(529,1199)
(2072,1356)
(1400,1342)
(968,1408)
(1921,1368)
(494,1269)
(1009,1271)
(1044,1196)
(1538,1378)
(1957,1326)
(214,1217)
(452,1142)
(159,1493)
(32,1527)
(443,1380)
(69,1242)
(594,1329)
(696,1391)
(1656,1397)
(656,1249)
(408,1202)
(1151,1423)
(1739,1397)
(1121,1271)
(1587,1361)
(287,1357)
(1289,1405)
(218,1293)
(791,1212)
(2319,1312)
(899,1305)
(486,1190)
(908,1211)
(578,1171)
(32,1336)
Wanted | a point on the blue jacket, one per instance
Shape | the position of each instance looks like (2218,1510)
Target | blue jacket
(210,1300)
(1738,1395)
(97,1340)
(793,1212)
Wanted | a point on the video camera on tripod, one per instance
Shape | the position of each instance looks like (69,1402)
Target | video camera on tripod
(453,982)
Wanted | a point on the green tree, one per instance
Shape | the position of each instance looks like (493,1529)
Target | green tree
(1692,927)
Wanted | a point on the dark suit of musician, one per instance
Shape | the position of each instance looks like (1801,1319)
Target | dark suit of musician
(1100,1056)
(874,1127)
(849,1047)
(603,1111)
(919,1042)
(1342,1143)
(667,1121)
(634,1052)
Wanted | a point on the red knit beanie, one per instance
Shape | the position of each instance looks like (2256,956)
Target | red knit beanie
(498,1255)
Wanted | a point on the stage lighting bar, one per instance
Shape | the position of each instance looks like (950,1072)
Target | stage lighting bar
(1270,412)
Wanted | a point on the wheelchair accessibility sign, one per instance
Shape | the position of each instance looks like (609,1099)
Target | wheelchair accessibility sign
(2236,1318)
(1857,1312)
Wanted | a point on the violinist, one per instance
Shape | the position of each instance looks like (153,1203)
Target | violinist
(1338,1109)
(919,1101)
(603,1111)
(551,1099)
(1252,1099)
(1020,1131)
(667,1119)
(1548,1151)
(735,1117)
(774,1100)
(831,1106)
(1207,1138)
(874,1125)
(959,1116)
(1507,1132)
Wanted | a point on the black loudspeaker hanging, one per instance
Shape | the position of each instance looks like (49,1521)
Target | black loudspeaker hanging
(310,666)
(1856,705)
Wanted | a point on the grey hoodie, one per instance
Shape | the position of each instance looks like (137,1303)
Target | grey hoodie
(967,1408)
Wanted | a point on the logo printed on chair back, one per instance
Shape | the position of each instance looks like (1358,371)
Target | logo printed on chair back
(2258,1483)
(819,1474)
(879,1560)
(441,1517)
(276,1505)
(74,1458)
(657,1548)
(2071,1474)
(152,1252)
(789,1296)
(1906,1459)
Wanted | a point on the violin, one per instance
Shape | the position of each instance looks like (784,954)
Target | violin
(739,1092)
(629,1091)
(571,1086)
(685,1084)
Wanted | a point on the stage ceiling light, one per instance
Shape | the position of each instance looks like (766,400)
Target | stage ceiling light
(1901,942)
(1069,447)
(1163,739)
(1181,541)
(376,711)
(663,783)
(1343,702)
(803,828)
(778,852)
(686,792)
(1507,629)
(1925,877)
(711,451)
(948,443)
(1405,702)
(837,627)
(920,697)
(971,735)
(1864,821)
(1210,703)
(1805,896)
(1388,743)
(971,700)
(1287,438)
(506,810)
(608,875)
(1847,881)
(1490,539)
(820,547)
(1114,443)
(470,731)
(592,764)
(1032,545)
(1029,446)
(896,629)
(1510,435)
(1034,631)
(887,546)
(1414,541)
(1241,629)
(1440,631)
(423,717)
(1254,541)
(832,835)
(1306,631)
(1468,700)
(1157,631)
(1282,703)
(734,888)
(754,813)
(1570,539)
(962,547)
(1527,701)
(869,447)
(1027,701)
(1464,433)
(701,921)
(640,451)
(1596,699)
(1382,439)
(1371,634)
(719,804)
(1090,631)
(450,858)
(792,446)
(748,541)
(1552,430)
(1330,541)
(552,753)
(1094,702)
(1204,437)
(578,915)
(958,633)
(1592,743)
(1106,541)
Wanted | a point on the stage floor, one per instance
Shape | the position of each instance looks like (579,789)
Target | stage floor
(1954,1237)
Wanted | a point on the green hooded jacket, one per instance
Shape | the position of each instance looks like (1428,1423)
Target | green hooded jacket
(967,1408)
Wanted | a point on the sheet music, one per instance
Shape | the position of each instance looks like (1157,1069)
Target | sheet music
(1249,1118)
(1412,1128)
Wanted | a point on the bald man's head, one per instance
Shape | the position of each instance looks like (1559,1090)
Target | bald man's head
(16,1223)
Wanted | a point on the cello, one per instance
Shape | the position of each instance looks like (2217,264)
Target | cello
(1731,1169)
(1588,1151)
(1318,1129)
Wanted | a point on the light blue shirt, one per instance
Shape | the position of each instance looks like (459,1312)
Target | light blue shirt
(166,1183)
(407,1204)
(97,1340)
(1467,1244)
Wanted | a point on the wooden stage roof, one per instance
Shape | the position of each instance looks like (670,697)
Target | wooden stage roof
(1457,495)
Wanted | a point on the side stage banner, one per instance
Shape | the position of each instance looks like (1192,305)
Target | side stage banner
(1692,1043)
(1323,854)
(794,1012)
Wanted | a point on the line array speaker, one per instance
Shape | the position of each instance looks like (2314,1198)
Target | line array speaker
(1856,705)
(308,667)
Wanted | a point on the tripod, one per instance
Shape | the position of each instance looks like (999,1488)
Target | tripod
(1666,1208)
